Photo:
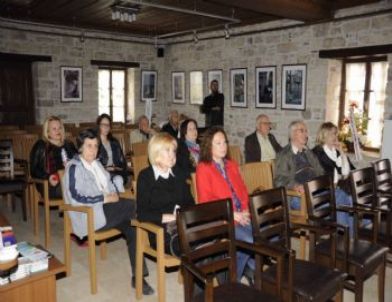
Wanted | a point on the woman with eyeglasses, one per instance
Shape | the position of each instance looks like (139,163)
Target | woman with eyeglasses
(110,152)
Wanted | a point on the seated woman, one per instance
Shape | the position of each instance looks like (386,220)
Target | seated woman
(87,183)
(218,177)
(110,152)
(50,154)
(335,163)
(188,152)
(161,188)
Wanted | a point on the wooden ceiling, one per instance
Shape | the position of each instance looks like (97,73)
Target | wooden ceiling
(165,21)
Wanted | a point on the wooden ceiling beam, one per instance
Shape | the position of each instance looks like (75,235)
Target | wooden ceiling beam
(302,10)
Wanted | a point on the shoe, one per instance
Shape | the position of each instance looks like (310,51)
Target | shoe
(79,242)
(249,275)
(147,289)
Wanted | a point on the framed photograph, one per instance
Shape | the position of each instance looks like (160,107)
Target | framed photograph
(266,87)
(238,87)
(196,87)
(215,75)
(149,85)
(71,84)
(294,87)
(178,87)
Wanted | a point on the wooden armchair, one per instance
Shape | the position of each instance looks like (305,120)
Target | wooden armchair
(307,281)
(359,258)
(206,233)
(257,176)
(382,169)
(139,148)
(93,237)
(235,153)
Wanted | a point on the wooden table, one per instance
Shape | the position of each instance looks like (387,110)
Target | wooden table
(39,286)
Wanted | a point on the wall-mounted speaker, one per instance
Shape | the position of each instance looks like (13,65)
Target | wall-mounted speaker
(160,52)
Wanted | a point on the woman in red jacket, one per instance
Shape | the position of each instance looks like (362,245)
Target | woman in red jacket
(218,177)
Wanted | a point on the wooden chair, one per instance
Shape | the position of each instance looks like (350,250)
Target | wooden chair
(359,258)
(235,153)
(139,148)
(194,187)
(143,246)
(206,234)
(307,281)
(9,184)
(365,194)
(139,163)
(382,169)
(257,176)
(93,237)
(120,136)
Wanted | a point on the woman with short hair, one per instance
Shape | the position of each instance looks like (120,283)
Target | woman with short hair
(50,154)
(218,177)
(161,188)
(87,183)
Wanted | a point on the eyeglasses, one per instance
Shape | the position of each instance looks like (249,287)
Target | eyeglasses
(105,125)
(266,123)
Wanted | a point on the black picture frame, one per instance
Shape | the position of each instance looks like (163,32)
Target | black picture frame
(71,84)
(238,87)
(294,79)
(149,80)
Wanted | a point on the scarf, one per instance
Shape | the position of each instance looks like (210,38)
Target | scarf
(99,174)
(194,150)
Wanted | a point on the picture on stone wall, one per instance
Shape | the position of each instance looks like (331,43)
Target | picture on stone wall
(71,84)
(178,87)
(149,85)
(196,87)
(266,87)
(215,74)
(294,87)
(238,87)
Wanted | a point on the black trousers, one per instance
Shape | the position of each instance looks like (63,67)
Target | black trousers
(118,215)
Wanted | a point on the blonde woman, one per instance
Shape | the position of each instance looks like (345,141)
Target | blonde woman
(50,153)
(161,187)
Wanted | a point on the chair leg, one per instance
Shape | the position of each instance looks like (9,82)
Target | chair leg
(139,263)
(302,247)
(161,276)
(67,244)
(103,250)
(358,290)
(180,278)
(23,200)
(381,281)
(339,295)
(92,264)
(35,210)
(47,224)
(10,202)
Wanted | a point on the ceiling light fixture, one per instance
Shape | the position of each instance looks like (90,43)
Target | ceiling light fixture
(124,13)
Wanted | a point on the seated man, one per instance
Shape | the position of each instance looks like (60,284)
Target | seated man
(261,145)
(296,164)
(172,126)
(144,133)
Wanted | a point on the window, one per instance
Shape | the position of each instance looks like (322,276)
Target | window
(112,92)
(365,84)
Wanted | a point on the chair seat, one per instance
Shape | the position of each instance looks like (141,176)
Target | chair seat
(12,185)
(237,292)
(311,281)
(362,253)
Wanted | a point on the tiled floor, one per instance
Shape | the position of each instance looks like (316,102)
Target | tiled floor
(114,273)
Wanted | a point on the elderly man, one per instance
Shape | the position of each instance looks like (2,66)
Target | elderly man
(213,106)
(261,145)
(144,133)
(172,126)
(296,164)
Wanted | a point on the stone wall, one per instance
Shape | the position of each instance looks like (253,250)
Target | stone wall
(295,44)
(67,49)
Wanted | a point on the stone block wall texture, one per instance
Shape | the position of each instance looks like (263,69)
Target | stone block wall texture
(269,44)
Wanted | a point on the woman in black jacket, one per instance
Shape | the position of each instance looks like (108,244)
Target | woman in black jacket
(50,154)
(110,152)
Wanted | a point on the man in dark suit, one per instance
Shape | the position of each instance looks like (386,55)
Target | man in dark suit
(213,106)
(261,145)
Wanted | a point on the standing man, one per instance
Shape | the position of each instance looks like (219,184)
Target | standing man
(213,106)
(261,145)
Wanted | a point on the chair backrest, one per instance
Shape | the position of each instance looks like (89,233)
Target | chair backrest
(320,198)
(235,153)
(382,169)
(363,186)
(120,136)
(140,148)
(194,187)
(25,143)
(257,176)
(6,159)
(270,217)
(139,163)
(207,230)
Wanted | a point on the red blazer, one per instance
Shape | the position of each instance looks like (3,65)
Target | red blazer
(212,186)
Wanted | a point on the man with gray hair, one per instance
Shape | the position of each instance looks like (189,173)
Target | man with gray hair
(172,126)
(261,145)
(296,164)
(144,133)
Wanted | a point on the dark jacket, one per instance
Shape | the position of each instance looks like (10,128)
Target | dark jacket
(185,160)
(39,158)
(213,117)
(285,168)
(253,149)
(158,197)
(118,158)
(168,128)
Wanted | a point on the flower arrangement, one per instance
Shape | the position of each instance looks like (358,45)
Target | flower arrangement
(361,123)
